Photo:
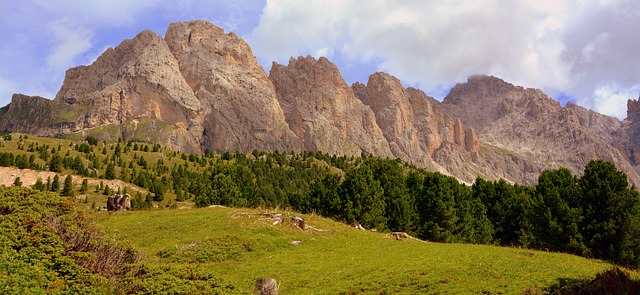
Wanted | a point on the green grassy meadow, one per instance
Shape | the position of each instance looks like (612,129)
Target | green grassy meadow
(241,245)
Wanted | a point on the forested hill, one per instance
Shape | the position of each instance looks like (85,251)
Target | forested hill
(595,215)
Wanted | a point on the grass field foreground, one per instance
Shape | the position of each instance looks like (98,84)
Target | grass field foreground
(242,245)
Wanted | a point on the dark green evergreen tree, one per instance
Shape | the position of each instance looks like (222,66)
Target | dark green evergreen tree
(39,185)
(55,164)
(55,184)
(22,161)
(85,186)
(67,187)
(448,212)
(110,173)
(323,196)
(364,198)
(611,223)
(555,213)
(400,208)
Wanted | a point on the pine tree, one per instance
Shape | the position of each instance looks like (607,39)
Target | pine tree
(85,186)
(39,185)
(55,185)
(110,173)
(55,164)
(149,199)
(67,188)
(611,222)
(364,198)
(555,215)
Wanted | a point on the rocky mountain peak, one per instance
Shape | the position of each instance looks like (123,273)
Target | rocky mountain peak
(495,99)
(384,90)
(417,128)
(138,80)
(633,108)
(203,36)
(241,111)
(525,126)
(323,111)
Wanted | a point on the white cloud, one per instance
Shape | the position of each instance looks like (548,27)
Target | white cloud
(609,100)
(428,43)
(69,40)
(564,46)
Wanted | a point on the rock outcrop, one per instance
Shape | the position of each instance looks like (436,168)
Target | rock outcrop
(417,128)
(137,81)
(323,111)
(29,114)
(631,133)
(524,132)
(241,112)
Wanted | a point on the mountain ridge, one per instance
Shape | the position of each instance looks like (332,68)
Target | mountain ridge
(199,88)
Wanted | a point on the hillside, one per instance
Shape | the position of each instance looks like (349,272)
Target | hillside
(594,215)
(558,214)
(50,246)
(200,89)
(241,245)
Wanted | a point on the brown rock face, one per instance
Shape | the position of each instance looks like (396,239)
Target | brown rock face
(417,128)
(239,103)
(631,133)
(525,132)
(323,111)
(138,79)
(27,114)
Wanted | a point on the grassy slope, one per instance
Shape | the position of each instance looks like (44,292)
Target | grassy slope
(340,259)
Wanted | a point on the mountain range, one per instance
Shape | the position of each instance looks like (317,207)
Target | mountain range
(200,89)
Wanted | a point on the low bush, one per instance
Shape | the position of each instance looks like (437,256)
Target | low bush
(48,246)
(613,281)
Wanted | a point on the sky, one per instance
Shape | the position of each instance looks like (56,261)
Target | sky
(587,52)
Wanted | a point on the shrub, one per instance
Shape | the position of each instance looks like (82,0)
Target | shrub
(613,281)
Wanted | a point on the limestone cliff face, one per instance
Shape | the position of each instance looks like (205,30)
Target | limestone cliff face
(417,128)
(139,79)
(27,114)
(525,132)
(323,111)
(241,111)
(631,133)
